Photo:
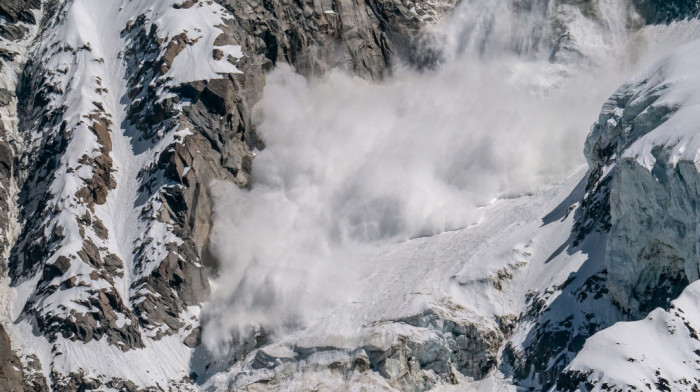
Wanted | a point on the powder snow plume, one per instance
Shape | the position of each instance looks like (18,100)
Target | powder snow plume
(352,166)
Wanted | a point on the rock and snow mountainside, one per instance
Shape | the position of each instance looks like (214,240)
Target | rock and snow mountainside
(645,148)
(118,115)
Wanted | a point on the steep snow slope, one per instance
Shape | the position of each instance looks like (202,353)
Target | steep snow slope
(94,295)
(646,141)
(429,310)
(659,352)
(83,283)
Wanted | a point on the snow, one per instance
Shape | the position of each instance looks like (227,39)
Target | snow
(84,46)
(11,296)
(634,354)
(661,349)
(199,23)
(677,81)
(350,221)
(457,267)
(429,149)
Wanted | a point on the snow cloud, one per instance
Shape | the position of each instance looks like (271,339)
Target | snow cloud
(352,165)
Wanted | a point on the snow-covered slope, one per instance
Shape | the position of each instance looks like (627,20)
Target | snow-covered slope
(659,352)
(433,310)
(647,139)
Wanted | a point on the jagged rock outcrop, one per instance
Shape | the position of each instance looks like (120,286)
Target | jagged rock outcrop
(315,36)
(216,141)
(642,162)
(643,153)
(17,375)
(637,221)
(665,11)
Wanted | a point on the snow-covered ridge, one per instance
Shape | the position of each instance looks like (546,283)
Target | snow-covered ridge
(667,360)
(646,142)
(85,209)
(646,145)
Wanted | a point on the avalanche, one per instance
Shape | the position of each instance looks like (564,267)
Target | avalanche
(206,195)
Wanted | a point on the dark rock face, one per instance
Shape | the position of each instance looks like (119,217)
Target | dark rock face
(17,20)
(647,211)
(19,10)
(572,381)
(665,11)
(556,324)
(11,375)
(364,38)
(6,179)
(16,376)
(634,265)
(642,207)
(219,114)
(34,379)
(39,169)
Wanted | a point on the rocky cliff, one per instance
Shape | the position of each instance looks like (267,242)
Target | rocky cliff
(117,117)
(644,150)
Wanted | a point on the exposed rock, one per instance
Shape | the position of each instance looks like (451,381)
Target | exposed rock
(194,339)
(34,379)
(186,4)
(640,201)
(13,32)
(365,38)
(11,375)
(650,250)
(410,354)
(5,97)
(219,114)
(558,321)
(96,188)
(17,18)
(572,381)
(667,361)
(19,10)
(665,11)
(75,381)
